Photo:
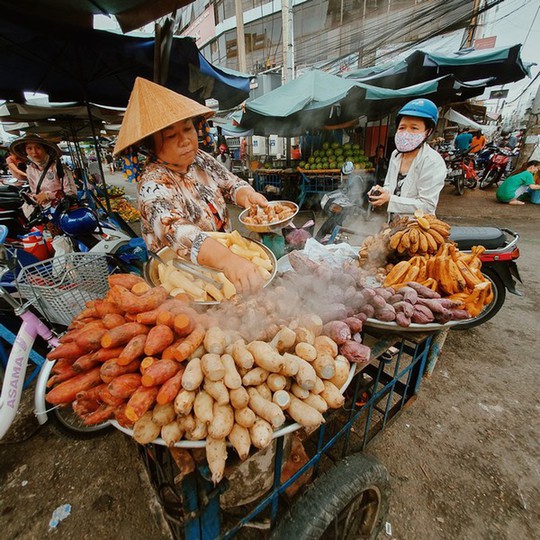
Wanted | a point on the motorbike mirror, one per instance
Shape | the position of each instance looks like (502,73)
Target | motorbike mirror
(347,168)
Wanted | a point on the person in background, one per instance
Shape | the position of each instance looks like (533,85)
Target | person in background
(296,153)
(48,180)
(416,172)
(380,162)
(463,140)
(511,141)
(183,190)
(224,156)
(17,167)
(478,142)
(517,184)
(110,162)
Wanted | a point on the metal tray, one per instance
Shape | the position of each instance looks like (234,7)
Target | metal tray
(150,272)
(286,429)
(414,327)
(276,226)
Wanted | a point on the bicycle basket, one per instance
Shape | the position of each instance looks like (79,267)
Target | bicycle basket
(60,287)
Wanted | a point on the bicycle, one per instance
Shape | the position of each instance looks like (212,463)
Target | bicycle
(57,288)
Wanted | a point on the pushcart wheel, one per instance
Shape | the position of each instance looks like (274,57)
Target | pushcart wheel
(66,422)
(349,501)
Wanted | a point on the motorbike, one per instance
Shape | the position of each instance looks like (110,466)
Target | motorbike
(482,158)
(498,264)
(496,168)
(461,170)
(82,228)
(350,200)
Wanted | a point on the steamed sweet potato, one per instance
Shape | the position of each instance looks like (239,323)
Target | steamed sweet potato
(125,280)
(122,334)
(66,350)
(131,303)
(72,334)
(190,344)
(82,407)
(111,369)
(103,307)
(85,363)
(338,331)
(141,400)
(355,352)
(158,339)
(106,397)
(105,412)
(121,418)
(123,386)
(66,391)
(133,350)
(159,372)
(106,354)
(183,324)
(90,340)
(112,320)
(169,389)
(91,393)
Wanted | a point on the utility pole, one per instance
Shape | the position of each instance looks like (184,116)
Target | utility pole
(468,38)
(288,41)
(531,137)
(240,38)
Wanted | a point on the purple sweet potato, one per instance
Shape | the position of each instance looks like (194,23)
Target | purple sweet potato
(404,307)
(361,316)
(459,314)
(338,331)
(335,312)
(443,317)
(377,301)
(402,319)
(357,337)
(368,310)
(422,290)
(395,298)
(386,313)
(355,352)
(422,315)
(354,324)
(409,294)
(385,292)
(433,304)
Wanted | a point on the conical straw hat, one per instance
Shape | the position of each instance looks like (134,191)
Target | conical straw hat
(151,108)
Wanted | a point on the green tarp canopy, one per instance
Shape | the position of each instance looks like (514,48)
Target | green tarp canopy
(320,100)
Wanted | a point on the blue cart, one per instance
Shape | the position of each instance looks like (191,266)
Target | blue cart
(320,484)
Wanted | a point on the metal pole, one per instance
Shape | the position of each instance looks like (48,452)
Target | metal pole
(240,37)
(98,156)
(288,41)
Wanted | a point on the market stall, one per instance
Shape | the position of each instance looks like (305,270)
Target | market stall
(238,402)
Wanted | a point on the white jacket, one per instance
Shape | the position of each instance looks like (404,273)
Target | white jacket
(422,185)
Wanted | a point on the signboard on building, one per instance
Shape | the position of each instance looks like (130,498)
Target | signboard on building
(485,43)
(498,94)
(203,28)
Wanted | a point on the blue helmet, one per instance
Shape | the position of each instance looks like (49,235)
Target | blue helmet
(78,221)
(421,108)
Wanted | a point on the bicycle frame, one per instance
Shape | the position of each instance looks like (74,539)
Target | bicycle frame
(17,364)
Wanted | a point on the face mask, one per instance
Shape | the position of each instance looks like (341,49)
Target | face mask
(407,142)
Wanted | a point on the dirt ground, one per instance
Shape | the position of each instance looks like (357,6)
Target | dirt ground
(464,459)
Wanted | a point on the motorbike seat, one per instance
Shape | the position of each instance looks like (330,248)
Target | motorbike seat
(467,237)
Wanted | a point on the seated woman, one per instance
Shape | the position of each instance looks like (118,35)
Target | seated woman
(416,172)
(183,190)
(515,185)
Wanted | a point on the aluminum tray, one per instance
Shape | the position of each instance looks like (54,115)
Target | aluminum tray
(414,327)
(276,226)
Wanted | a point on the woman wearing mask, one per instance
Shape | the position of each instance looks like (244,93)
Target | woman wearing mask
(416,172)
(183,190)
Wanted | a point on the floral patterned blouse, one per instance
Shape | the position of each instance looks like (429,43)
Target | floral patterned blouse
(176,208)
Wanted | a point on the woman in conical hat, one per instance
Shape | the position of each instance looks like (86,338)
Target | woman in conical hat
(182,190)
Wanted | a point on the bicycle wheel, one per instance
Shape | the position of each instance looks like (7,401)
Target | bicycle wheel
(348,501)
(459,183)
(489,178)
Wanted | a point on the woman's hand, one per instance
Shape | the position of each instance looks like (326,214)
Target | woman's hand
(243,274)
(381,199)
(247,196)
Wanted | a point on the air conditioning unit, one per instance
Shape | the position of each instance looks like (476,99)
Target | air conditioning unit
(277,146)
(259,146)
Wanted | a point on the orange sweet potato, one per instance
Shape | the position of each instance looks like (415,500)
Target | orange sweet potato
(100,415)
(64,374)
(183,324)
(165,317)
(91,393)
(146,363)
(132,350)
(66,350)
(140,402)
(159,372)
(66,391)
(159,338)
(131,303)
(62,365)
(121,335)
(90,340)
(85,363)
(111,369)
(189,344)
(168,353)
(106,397)
(112,320)
(72,334)
(124,385)
(82,407)
(86,313)
(126,280)
(169,390)
(104,307)
(140,288)
(121,418)
(103,355)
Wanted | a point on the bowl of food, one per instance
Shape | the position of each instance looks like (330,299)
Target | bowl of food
(205,285)
(270,219)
